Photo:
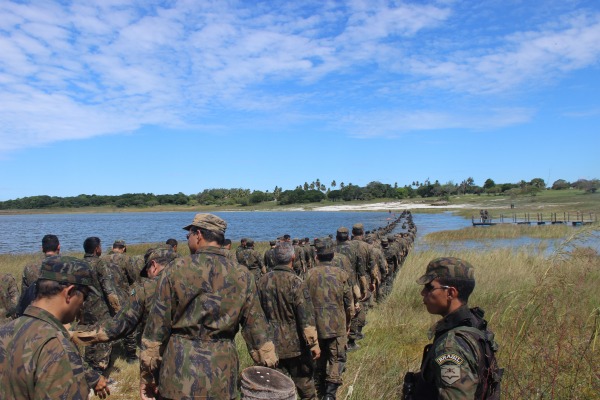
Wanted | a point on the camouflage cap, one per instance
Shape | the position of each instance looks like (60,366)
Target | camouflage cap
(165,253)
(358,227)
(384,241)
(272,242)
(68,270)
(343,229)
(447,267)
(209,222)
(119,243)
(324,246)
(249,242)
(391,238)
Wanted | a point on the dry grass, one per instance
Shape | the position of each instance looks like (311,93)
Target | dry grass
(544,310)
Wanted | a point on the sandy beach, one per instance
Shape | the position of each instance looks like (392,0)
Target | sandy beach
(394,205)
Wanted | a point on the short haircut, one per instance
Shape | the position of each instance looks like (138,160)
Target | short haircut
(226,242)
(90,244)
(50,243)
(210,236)
(171,242)
(463,286)
(46,288)
(286,237)
(284,252)
(341,236)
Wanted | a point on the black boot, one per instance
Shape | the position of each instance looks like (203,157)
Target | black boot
(330,391)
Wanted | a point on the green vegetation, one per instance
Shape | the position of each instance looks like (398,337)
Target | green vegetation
(313,193)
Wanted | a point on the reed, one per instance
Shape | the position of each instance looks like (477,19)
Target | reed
(503,231)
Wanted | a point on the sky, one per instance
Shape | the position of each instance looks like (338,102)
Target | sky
(110,97)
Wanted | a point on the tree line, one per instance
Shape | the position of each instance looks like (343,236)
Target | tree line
(312,192)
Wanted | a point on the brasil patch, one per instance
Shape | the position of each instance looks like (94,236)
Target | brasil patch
(449,357)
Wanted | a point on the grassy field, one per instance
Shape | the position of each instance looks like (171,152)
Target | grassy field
(545,311)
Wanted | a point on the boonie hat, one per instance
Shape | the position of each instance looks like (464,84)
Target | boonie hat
(209,222)
(68,270)
(447,267)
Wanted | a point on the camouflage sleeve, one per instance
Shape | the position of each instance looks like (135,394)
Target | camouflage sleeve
(348,300)
(455,369)
(108,286)
(252,318)
(157,330)
(60,372)
(128,317)
(305,314)
(12,294)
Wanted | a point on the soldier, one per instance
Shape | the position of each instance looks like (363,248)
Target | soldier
(309,253)
(100,309)
(392,262)
(290,313)
(460,364)
(252,260)
(228,253)
(50,247)
(331,296)
(38,361)
(173,243)
(135,313)
(239,250)
(299,261)
(9,297)
(188,348)
(382,267)
(124,276)
(269,257)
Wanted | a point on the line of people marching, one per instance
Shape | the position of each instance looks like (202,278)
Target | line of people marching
(300,305)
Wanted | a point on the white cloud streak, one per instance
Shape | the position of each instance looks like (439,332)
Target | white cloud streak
(95,68)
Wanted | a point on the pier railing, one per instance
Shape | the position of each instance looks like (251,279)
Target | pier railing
(572,218)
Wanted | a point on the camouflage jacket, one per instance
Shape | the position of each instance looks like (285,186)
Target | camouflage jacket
(269,259)
(38,360)
(357,260)
(392,259)
(122,270)
(331,296)
(201,301)
(251,258)
(299,261)
(288,309)
(31,273)
(365,253)
(450,364)
(98,308)
(9,297)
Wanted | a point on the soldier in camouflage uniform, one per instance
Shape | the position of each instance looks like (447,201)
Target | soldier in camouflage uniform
(173,243)
(299,260)
(9,297)
(310,253)
(269,257)
(331,296)
(50,247)
(240,249)
(392,262)
(252,260)
(37,359)
(188,348)
(100,309)
(132,318)
(452,366)
(290,313)
(124,276)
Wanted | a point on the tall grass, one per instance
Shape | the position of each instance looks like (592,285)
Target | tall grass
(503,231)
(545,311)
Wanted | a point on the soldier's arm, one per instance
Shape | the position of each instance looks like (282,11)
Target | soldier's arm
(305,316)
(108,285)
(349,305)
(12,295)
(455,369)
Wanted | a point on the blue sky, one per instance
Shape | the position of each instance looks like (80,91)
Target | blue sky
(112,97)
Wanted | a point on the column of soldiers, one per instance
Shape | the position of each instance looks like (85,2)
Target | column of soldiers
(300,306)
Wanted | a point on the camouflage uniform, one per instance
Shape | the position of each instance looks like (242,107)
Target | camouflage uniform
(269,258)
(37,358)
(31,273)
(290,313)
(123,279)
(299,261)
(99,310)
(201,301)
(9,297)
(331,296)
(253,261)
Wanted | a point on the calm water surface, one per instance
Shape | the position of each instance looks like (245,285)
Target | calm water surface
(23,233)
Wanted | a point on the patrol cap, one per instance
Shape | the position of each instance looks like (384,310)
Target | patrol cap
(249,242)
(391,238)
(384,241)
(295,241)
(155,253)
(68,270)
(119,243)
(342,230)
(324,246)
(447,267)
(358,227)
(209,222)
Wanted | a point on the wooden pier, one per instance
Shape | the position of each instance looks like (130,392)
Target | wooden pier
(569,218)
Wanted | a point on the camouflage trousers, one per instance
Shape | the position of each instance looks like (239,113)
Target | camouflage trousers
(359,320)
(332,362)
(300,369)
(98,357)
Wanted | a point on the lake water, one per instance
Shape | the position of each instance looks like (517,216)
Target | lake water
(23,233)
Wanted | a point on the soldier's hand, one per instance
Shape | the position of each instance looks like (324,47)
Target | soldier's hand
(357,307)
(101,389)
(316,352)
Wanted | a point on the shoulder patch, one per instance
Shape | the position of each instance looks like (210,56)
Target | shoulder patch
(449,357)
(449,373)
